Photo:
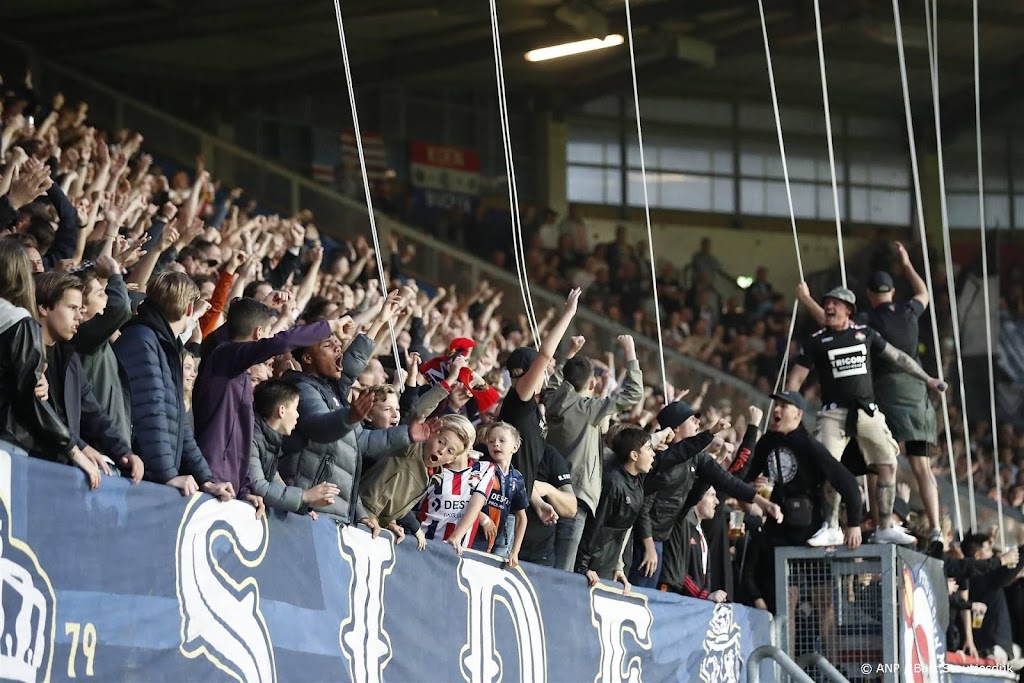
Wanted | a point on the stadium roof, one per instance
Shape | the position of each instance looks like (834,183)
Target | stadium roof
(696,48)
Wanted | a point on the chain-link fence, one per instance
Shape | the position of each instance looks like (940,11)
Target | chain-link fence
(840,604)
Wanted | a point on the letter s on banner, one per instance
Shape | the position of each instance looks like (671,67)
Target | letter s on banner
(220,616)
(364,641)
(613,615)
(486,584)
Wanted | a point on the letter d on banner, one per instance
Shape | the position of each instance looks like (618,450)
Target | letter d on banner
(485,585)
(364,641)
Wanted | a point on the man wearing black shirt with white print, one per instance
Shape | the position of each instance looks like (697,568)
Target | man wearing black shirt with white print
(554,494)
(842,353)
(902,398)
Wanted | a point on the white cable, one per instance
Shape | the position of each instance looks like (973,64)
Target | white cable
(366,179)
(647,205)
(984,282)
(518,253)
(780,379)
(919,204)
(828,135)
(933,62)
(782,149)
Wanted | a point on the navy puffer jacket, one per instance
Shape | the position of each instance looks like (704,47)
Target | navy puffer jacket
(150,354)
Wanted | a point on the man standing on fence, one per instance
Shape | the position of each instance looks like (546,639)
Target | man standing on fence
(902,398)
(842,354)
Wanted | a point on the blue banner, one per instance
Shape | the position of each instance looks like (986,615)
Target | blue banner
(134,582)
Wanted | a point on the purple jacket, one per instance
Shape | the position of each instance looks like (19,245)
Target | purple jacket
(222,398)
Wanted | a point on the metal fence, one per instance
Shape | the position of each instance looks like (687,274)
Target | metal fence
(841,604)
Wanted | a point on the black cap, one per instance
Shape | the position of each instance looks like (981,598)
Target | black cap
(519,361)
(880,282)
(793,397)
(675,414)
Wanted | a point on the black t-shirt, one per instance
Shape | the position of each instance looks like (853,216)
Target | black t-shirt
(898,325)
(525,416)
(539,541)
(843,361)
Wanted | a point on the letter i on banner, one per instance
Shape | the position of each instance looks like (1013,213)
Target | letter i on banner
(364,641)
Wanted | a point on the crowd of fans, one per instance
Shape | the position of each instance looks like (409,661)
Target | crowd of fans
(161,328)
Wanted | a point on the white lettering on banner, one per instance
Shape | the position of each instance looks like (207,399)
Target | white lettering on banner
(485,585)
(614,615)
(364,641)
(220,616)
(849,360)
(28,625)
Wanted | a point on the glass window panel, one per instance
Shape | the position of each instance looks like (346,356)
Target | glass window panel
(825,173)
(962,209)
(752,196)
(890,174)
(804,200)
(1018,211)
(752,163)
(722,160)
(775,203)
(859,205)
(683,191)
(612,186)
(826,202)
(635,189)
(801,168)
(684,158)
(723,199)
(585,184)
(585,152)
(859,172)
(997,210)
(889,206)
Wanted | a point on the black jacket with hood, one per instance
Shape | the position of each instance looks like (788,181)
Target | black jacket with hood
(25,420)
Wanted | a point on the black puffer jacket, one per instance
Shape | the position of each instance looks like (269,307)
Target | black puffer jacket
(25,420)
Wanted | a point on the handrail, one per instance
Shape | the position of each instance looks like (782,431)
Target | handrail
(298,184)
(781,658)
(826,667)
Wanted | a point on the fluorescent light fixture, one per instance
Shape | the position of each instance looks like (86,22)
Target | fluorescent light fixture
(566,49)
(744,281)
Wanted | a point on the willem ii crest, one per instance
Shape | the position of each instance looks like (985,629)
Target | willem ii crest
(27,600)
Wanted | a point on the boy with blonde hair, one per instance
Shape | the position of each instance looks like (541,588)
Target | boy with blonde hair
(395,484)
(503,514)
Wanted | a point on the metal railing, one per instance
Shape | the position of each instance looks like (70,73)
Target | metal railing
(341,217)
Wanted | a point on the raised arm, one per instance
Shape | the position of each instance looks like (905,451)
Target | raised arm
(916,282)
(803,295)
(533,381)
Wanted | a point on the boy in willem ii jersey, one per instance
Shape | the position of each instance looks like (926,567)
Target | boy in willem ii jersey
(446,500)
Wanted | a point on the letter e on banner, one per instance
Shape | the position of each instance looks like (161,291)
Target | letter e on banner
(364,642)
(220,616)
(614,615)
(486,585)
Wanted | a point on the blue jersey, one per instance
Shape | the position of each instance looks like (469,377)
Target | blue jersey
(507,494)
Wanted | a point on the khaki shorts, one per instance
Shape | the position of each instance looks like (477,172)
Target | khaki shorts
(873,436)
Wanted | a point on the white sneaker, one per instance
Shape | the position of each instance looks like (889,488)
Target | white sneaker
(826,537)
(894,535)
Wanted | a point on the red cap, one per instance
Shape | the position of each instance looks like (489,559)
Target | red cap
(460,344)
